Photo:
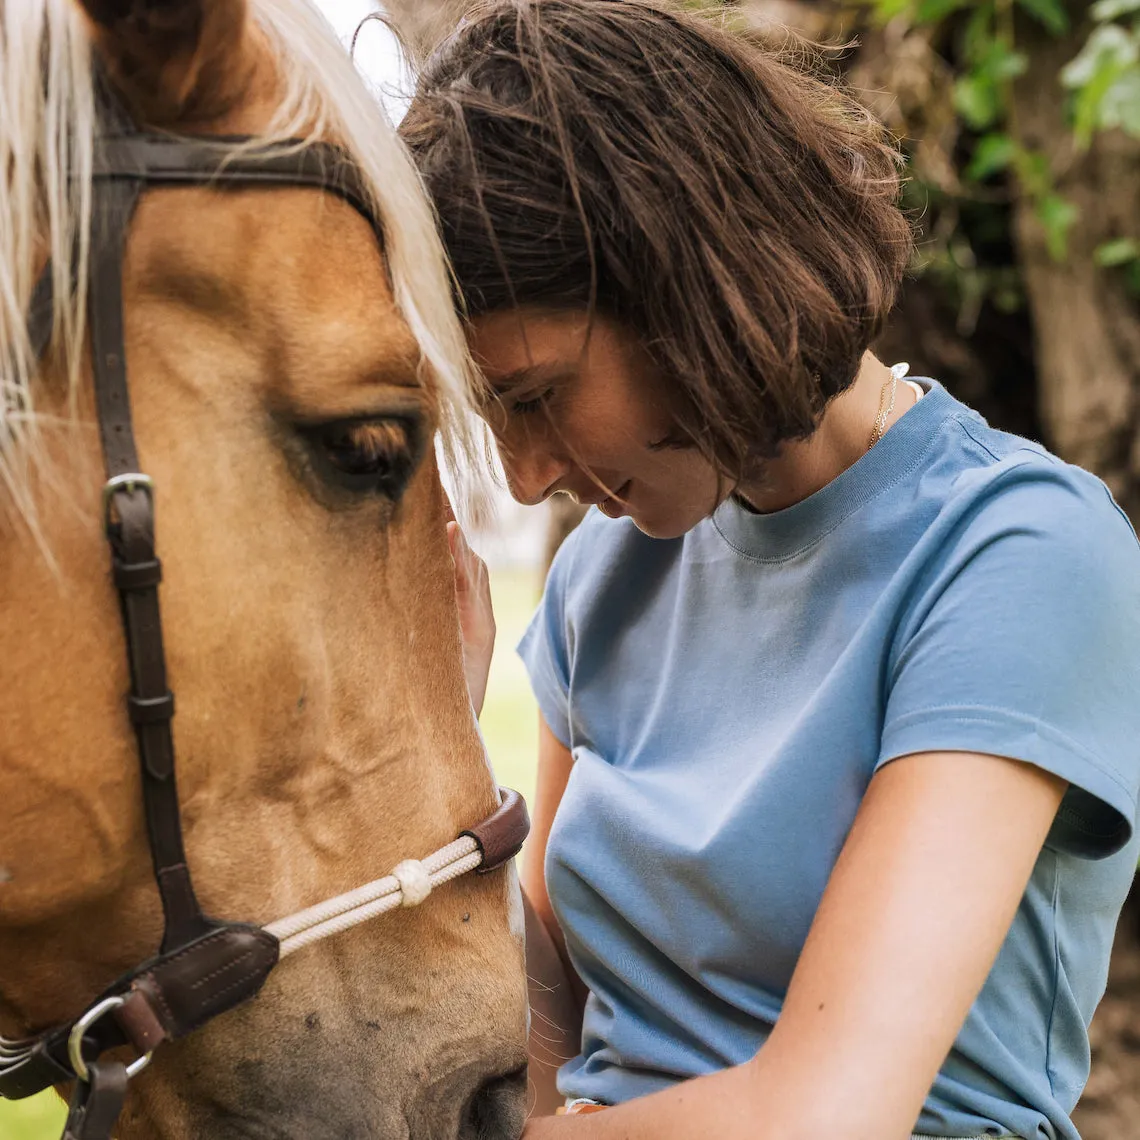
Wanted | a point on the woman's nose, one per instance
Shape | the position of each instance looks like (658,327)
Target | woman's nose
(533,473)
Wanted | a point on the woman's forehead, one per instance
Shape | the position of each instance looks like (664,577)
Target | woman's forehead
(521,348)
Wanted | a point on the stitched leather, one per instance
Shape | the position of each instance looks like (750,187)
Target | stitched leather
(211,975)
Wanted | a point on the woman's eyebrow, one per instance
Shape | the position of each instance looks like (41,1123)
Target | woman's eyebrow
(530,375)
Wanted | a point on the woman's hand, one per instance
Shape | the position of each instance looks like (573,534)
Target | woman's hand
(476,617)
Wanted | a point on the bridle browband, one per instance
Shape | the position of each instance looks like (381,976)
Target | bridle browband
(204,966)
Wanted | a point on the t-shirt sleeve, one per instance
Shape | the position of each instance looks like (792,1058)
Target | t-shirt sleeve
(544,647)
(1025,643)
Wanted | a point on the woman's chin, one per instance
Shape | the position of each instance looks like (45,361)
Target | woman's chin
(663,528)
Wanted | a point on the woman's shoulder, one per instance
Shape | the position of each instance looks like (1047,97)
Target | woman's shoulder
(1001,482)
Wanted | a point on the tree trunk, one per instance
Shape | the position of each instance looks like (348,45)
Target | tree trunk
(1086,324)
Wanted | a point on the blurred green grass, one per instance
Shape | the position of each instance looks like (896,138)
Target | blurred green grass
(37,1118)
(510,715)
(510,728)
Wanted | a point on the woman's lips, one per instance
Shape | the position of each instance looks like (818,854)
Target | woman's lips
(614,505)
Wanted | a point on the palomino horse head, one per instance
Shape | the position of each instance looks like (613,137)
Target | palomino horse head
(286,378)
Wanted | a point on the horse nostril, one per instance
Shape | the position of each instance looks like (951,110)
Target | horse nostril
(497,1110)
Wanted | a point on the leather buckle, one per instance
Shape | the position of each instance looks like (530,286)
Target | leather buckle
(129,483)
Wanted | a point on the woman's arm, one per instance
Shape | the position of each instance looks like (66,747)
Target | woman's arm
(554,767)
(917,907)
(557,995)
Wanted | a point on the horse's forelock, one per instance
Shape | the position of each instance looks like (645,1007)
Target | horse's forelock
(47,112)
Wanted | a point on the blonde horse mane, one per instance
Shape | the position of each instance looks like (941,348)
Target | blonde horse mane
(47,108)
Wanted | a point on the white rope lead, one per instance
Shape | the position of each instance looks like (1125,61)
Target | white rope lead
(409,884)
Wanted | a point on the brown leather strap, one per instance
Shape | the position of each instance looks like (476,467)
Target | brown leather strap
(221,969)
(500,836)
(96,1103)
(47,1064)
(130,531)
(140,1023)
(160,160)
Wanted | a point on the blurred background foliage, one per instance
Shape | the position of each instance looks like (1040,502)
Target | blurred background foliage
(1020,122)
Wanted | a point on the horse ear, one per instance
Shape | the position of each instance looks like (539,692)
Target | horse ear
(174,61)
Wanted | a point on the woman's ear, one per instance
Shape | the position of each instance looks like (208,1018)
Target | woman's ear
(174,61)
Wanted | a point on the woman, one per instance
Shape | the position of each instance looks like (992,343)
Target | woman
(839,756)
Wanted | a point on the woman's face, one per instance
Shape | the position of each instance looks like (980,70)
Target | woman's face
(588,415)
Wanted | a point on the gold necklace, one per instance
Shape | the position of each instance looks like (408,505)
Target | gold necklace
(898,371)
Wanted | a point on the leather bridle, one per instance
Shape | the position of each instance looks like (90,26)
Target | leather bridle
(204,966)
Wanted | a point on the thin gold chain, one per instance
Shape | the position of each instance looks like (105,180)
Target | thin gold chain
(898,371)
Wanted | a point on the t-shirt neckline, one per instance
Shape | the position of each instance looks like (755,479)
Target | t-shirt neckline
(780,535)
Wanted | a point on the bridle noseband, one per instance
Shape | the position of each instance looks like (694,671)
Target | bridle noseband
(204,966)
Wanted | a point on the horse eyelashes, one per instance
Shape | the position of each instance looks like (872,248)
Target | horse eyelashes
(366,455)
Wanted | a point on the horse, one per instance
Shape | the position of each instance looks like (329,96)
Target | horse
(293,352)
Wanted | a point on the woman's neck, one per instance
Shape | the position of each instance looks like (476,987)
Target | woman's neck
(843,436)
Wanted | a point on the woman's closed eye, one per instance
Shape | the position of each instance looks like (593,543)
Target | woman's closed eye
(530,405)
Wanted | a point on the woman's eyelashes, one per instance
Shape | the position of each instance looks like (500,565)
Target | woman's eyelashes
(530,405)
(674,441)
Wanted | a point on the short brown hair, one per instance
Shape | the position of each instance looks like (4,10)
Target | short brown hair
(736,212)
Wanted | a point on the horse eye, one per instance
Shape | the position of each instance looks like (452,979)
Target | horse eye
(366,456)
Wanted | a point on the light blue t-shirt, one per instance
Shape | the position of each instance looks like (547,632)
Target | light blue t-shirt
(728,695)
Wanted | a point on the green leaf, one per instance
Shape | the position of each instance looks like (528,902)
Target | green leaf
(978,100)
(1051,13)
(1008,299)
(1056,215)
(1132,277)
(1002,64)
(1120,104)
(886,10)
(994,152)
(932,11)
(1105,10)
(1120,251)
(1107,46)
(1108,59)
(1088,109)
(979,32)
(1033,172)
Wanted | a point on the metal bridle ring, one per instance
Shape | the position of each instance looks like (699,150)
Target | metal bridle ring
(82,1024)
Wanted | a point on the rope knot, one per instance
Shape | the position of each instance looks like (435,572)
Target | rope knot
(414,880)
